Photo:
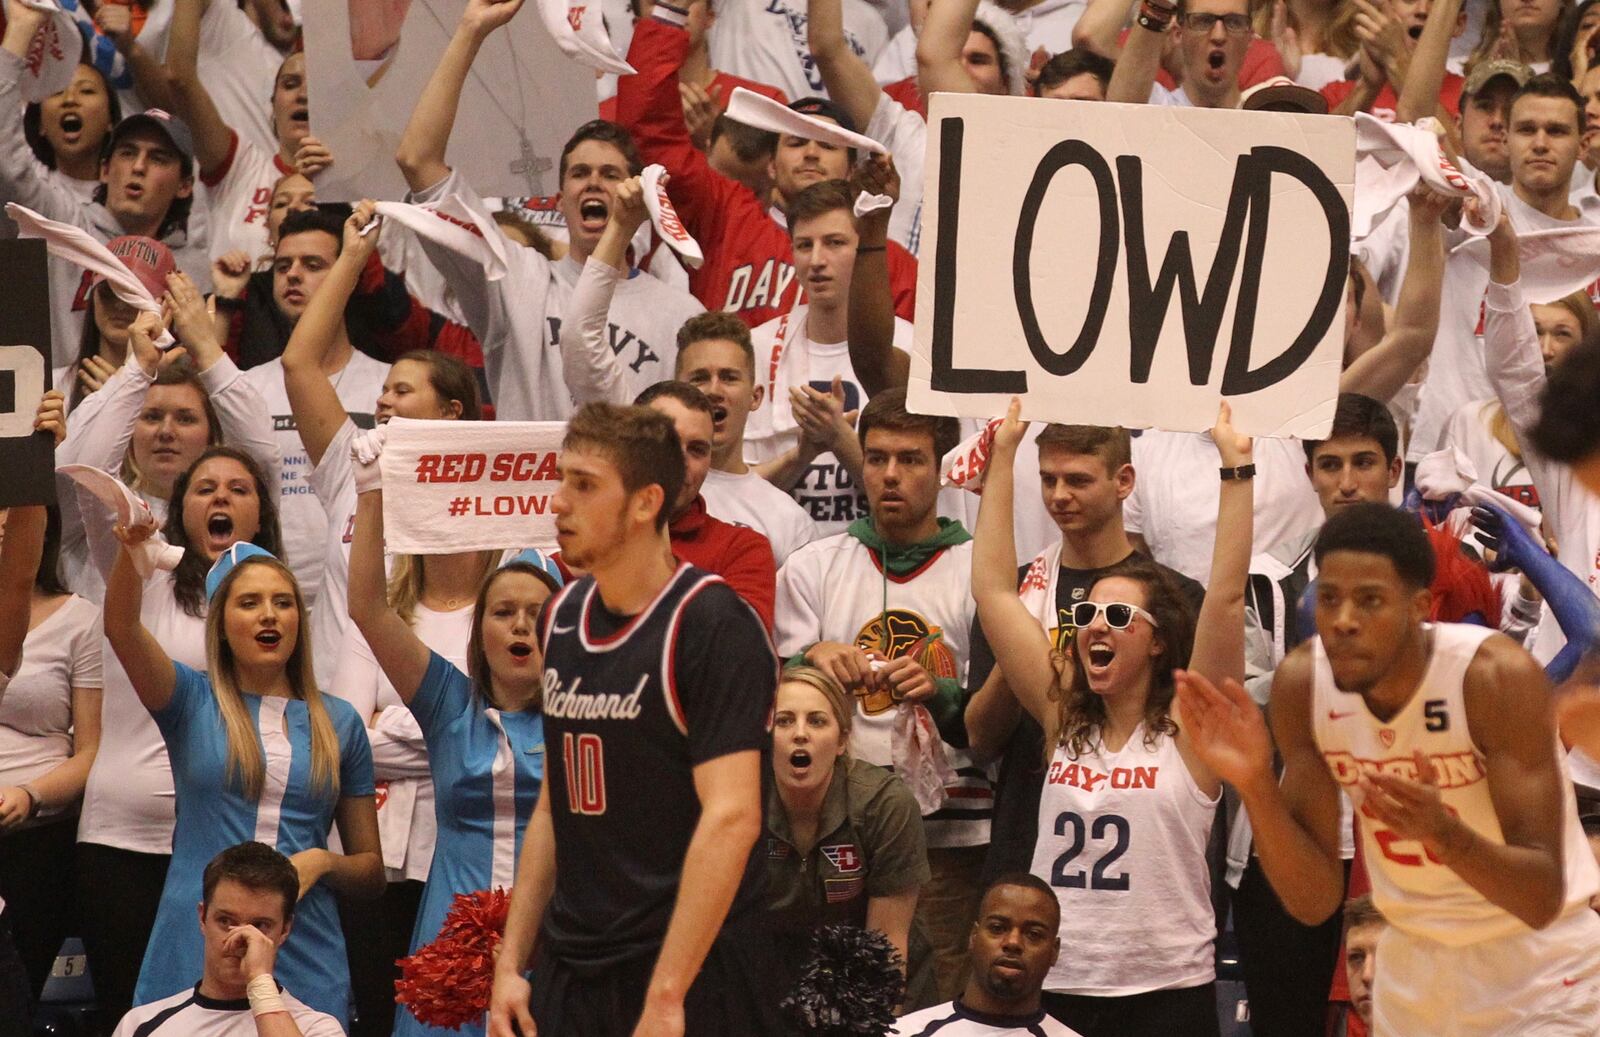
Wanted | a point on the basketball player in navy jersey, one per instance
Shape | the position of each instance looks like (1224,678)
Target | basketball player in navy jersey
(1442,736)
(658,686)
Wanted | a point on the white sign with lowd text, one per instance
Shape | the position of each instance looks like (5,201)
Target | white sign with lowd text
(1130,264)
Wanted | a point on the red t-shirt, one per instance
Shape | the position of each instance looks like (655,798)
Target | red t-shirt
(738,554)
(1384,105)
(749,267)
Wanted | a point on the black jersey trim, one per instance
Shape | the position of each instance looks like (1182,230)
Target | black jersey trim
(616,640)
(149,1026)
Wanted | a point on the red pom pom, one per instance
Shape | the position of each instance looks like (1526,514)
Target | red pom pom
(447,983)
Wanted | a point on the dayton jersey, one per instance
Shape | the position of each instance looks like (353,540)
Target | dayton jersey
(632,704)
(1415,892)
(835,590)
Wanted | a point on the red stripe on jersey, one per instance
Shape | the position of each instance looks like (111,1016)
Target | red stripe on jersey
(633,622)
(913,574)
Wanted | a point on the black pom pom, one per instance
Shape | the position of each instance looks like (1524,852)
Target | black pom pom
(850,986)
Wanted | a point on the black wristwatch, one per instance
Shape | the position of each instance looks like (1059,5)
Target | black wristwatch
(1244,471)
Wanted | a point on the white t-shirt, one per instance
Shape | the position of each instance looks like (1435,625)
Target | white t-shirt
(1172,98)
(827,491)
(190,1014)
(765,40)
(1456,372)
(749,500)
(905,134)
(953,1019)
(59,654)
(1497,467)
(333,481)
(406,825)
(238,198)
(128,801)
(300,513)
(518,319)
(1174,499)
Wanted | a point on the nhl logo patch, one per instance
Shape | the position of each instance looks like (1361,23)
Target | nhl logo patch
(844,857)
(1386,736)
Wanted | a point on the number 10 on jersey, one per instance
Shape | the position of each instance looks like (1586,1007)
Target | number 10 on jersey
(583,758)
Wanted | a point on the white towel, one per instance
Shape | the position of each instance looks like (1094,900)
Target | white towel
(53,53)
(458,226)
(654,180)
(1555,262)
(764,113)
(963,467)
(130,510)
(452,486)
(78,246)
(1449,471)
(580,32)
(1392,157)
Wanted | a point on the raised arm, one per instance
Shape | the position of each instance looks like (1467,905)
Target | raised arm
(1140,60)
(21,178)
(870,323)
(1021,647)
(422,147)
(944,36)
(148,666)
(1419,96)
(1384,369)
(1296,823)
(213,138)
(850,82)
(1219,631)
(318,414)
(588,365)
(1510,339)
(401,654)
(1099,28)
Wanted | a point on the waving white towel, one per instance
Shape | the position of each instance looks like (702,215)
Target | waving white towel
(458,227)
(53,53)
(580,32)
(1392,157)
(764,113)
(130,510)
(654,180)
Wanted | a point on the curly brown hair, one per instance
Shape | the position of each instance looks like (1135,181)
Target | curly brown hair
(1080,713)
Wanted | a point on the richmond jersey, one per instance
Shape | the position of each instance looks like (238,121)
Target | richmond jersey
(631,705)
(1415,892)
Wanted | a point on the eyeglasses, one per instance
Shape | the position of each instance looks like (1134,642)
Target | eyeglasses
(1200,21)
(1119,614)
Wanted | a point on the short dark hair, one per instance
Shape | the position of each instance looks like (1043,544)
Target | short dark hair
(1359,911)
(887,410)
(1568,429)
(606,133)
(641,442)
(256,866)
(1112,445)
(1024,880)
(1548,84)
(451,379)
(1075,62)
(672,389)
(818,199)
(1360,417)
(748,142)
(1378,529)
(304,221)
(717,324)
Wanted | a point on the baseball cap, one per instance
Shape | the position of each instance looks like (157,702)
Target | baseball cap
(164,123)
(1484,71)
(1282,94)
(147,259)
(825,108)
(228,560)
(545,566)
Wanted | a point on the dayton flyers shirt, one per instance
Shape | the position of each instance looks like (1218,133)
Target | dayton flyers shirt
(238,195)
(632,704)
(749,268)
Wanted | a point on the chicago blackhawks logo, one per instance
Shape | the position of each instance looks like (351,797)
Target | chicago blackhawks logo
(901,632)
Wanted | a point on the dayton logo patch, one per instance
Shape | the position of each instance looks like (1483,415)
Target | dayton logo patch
(575,18)
(843,856)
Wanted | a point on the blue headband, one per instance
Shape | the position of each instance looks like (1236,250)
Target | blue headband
(226,562)
(548,569)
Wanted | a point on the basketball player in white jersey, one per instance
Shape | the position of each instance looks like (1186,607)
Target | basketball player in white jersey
(1442,736)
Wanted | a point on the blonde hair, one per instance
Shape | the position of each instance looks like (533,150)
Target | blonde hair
(246,767)
(408,578)
(839,701)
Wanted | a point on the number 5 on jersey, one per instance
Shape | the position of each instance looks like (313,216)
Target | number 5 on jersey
(583,757)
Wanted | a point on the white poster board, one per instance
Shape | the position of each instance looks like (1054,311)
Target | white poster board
(1129,264)
(522,99)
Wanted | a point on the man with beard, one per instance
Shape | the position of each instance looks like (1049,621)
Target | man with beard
(1012,946)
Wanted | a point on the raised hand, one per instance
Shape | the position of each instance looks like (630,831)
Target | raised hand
(51,416)
(230,273)
(1232,448)
(357,245)
(485,16)
(1413,810)
(1286,39)
(312,157)
(1008,435)
(192,320)
(699,114)
(1226,729)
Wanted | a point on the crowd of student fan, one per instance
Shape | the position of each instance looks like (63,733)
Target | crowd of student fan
(1049,785)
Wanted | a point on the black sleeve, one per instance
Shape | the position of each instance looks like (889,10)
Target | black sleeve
(725,672)
(980,657)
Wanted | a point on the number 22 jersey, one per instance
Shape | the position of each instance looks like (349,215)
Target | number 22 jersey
(631,705)
(1415,892)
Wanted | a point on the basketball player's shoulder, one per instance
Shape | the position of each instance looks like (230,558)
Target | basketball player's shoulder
(1501,683)
(707,595)
(1294,676)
